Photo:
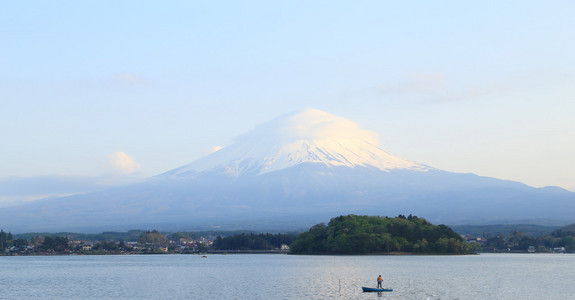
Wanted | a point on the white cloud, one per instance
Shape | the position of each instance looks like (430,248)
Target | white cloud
(439,88)
(213,149)
(132,79)
(123,163)
(7,201)
(310,124)
(20,190)
(419,83)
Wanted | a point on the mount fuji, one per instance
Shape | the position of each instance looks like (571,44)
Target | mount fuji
(297,170)
(306,137)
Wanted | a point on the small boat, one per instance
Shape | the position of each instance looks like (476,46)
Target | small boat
(368,289)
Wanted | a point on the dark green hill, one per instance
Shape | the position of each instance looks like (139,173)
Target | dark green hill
(505,229)
(569,228)
(567,231)
(354,234)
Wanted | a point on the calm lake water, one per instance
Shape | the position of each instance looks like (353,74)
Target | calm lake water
(486,276)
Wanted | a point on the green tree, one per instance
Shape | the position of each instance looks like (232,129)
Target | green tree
(106,245)
(154,238)
(20,243)
(312,241)
(3,240)
(57,244)
(37,241)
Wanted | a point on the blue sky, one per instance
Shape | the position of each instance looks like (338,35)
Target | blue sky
(108,91)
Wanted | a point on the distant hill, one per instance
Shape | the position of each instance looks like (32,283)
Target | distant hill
(569,228)
(505,229)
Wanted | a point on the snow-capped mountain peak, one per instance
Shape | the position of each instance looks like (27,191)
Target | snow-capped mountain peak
(290,173)
(307,136)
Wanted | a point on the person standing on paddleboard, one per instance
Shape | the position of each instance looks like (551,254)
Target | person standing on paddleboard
(379,281)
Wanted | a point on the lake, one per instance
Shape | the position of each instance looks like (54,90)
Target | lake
(274,276)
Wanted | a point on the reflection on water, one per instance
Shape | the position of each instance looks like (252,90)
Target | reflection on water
(500,276)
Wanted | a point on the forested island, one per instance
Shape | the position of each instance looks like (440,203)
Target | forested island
(354,234)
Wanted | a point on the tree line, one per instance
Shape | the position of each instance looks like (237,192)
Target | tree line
(349,234)
(252,241)
(5,239)
(47,244)
(518,241)
(144,242)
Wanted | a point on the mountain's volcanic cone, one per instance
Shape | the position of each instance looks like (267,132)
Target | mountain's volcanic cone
(290,173)
(308,136)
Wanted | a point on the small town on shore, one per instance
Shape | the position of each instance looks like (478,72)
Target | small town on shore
(354,235)
(138,242)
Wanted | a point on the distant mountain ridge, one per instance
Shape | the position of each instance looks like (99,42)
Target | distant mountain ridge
(290,173)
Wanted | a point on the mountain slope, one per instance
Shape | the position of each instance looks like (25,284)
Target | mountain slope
(309,136)
(293,172)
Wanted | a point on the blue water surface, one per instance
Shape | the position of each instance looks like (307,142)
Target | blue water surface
(274,276)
